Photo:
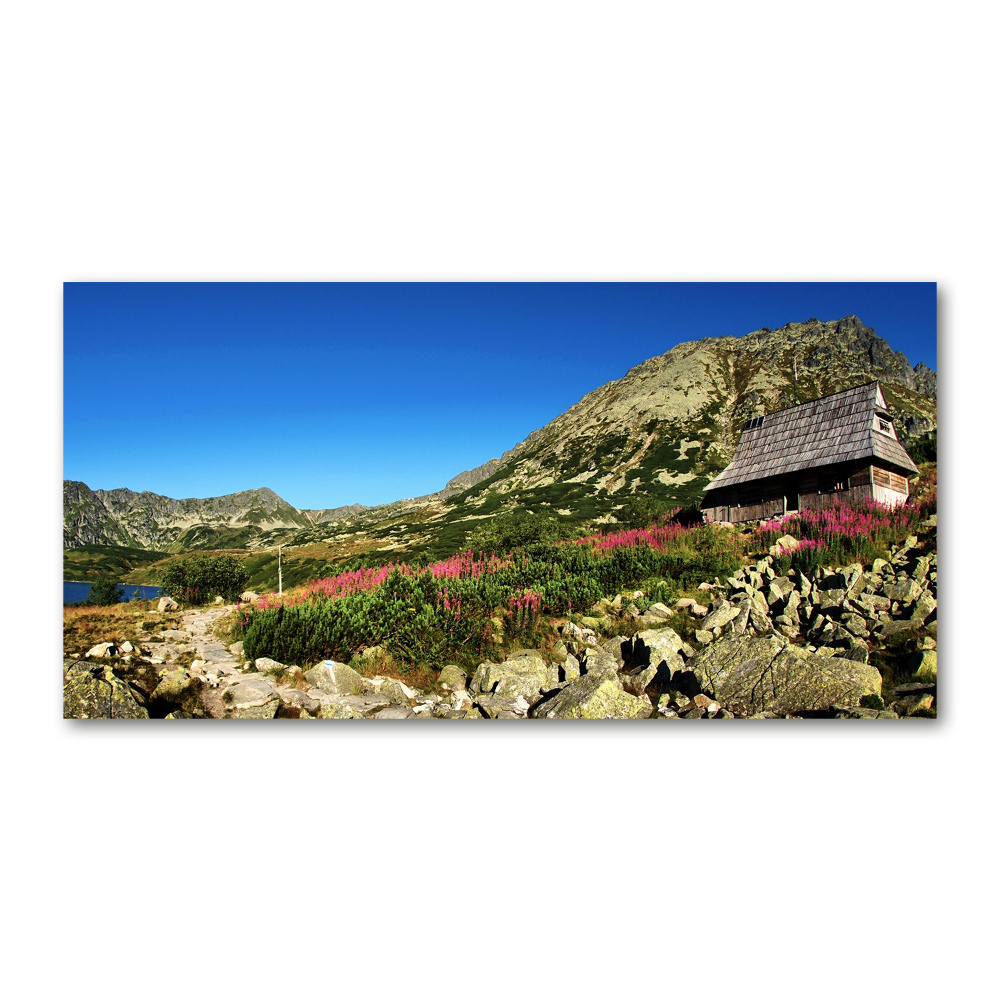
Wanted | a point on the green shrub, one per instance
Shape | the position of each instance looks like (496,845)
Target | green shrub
(641,510)
(511,529)
(923,449)
(199,578)
(105,591)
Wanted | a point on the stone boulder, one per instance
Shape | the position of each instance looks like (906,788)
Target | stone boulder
(569,668)
(593,696)
(103,649)
(295,704)
(787,543)
(251,699)
(334,708)
(86,696)
(453,678)
(651,681)
(722,615)
(748,675)
(616,648)
(249,595)
(597,661)
(572,632)
(393,691)
(166,604)
(177,688)
(656,646)
(265,665)
(495,706)
(332,677)
(525,673)
(926,666)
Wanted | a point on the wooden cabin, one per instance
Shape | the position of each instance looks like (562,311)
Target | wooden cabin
(840,447)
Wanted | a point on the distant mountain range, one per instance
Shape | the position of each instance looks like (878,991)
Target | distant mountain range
(666,428)
(150,521)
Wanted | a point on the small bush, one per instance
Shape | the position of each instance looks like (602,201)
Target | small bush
(106,591)
(641,510)
(514,528)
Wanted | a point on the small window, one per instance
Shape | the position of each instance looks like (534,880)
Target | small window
(883,424)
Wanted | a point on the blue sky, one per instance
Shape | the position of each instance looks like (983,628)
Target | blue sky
(333,394)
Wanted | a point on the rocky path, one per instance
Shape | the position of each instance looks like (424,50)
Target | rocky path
(215,654)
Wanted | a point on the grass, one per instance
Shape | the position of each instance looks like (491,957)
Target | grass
(90,562)
(84,628)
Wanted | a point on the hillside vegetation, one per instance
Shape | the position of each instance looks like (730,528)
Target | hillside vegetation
(482,604)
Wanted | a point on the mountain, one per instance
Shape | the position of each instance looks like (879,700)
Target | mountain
(672,423)
(665,428)
(150,521)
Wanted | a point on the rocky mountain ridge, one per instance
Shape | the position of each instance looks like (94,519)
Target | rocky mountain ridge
(149,520)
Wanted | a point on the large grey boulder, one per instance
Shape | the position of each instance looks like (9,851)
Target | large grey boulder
(524,674)
(655,646)
(722,615)
(651,681)
(166,604)
(615,647)
(295,703)
(395,712)
(597,661)
(265,665)
(593,696)
(748,674)
(779,590)
(105,696)
(393,691)
(453,678)
(738,624)
(495,706)
(251,699)
(351,706)
(332,677)
(926,665)
(103,649)
(926,606)
(569,668)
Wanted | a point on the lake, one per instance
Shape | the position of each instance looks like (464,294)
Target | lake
(74,593)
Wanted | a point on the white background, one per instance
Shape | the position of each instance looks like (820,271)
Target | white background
(494,141)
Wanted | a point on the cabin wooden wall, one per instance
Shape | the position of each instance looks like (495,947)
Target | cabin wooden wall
(890,480)
(814,489)
(752,512)
(821,501)
(892,498)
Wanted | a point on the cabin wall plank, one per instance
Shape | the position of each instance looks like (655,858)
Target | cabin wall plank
(822,501)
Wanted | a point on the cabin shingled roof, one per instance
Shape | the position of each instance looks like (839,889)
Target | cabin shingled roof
(837,428)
